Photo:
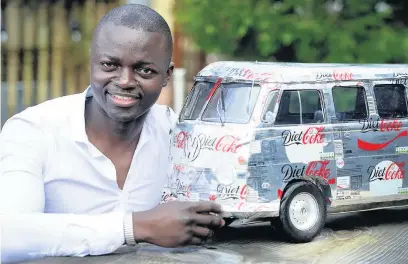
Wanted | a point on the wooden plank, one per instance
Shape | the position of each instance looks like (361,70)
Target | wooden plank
(43,54)
(101,10)
(58,46)
(73,51)
(13,23)
(88,23)
(28,59)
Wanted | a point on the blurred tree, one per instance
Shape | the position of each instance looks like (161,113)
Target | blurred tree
(369,31)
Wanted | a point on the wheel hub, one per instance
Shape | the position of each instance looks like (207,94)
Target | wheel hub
(303,211)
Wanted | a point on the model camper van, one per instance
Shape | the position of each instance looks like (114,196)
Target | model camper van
(292,141)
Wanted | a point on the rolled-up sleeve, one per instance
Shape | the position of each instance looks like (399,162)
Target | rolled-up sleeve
(26,231)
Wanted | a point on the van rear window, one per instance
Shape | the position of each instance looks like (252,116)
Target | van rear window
(350,103)
(391,100)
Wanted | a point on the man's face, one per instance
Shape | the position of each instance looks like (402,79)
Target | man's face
(128,70)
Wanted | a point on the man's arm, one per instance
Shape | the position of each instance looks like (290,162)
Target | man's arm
(26,231)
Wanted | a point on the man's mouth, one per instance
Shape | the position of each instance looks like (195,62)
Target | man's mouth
(123,100)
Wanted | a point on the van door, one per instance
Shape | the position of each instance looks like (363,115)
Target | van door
(350,112)
(370,168)
(300,137)
(386,172)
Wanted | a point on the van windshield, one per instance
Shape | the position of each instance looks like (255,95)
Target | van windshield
(195,100)
(232,103)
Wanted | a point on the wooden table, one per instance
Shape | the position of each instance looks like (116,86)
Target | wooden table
(367,237)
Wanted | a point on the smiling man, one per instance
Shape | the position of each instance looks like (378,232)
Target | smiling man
(83,174)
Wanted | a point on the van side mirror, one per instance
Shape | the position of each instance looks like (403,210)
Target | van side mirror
(318,116)
(269,117)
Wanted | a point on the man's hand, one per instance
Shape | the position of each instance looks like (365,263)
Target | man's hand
(176,224)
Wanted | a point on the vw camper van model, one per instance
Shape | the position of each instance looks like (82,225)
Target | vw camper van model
(293,141)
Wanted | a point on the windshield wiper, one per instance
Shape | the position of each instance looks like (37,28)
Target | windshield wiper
(222,105)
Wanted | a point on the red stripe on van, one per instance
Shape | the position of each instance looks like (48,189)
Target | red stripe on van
(368,146)
(212,91)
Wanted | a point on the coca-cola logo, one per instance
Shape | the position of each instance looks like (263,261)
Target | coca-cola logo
(313,135)
(401,74)
(314,168)
(178,167)
(248,74)
(382,126)
(167,196)
(182,188)
(394,171)
(193,146)
(231,192)
(338,76)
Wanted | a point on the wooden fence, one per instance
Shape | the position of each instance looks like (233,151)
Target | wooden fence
(45,49)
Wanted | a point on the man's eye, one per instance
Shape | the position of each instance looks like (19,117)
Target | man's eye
(108,65)
(145,71)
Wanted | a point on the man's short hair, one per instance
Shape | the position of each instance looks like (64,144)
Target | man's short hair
(137,16)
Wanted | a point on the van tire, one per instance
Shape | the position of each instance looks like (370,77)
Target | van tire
(307,194)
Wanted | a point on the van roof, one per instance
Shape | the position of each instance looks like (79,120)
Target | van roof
(280,72)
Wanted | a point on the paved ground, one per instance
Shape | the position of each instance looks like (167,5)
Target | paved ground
(368,237)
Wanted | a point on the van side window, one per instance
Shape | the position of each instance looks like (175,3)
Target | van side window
(299,107)
(350,103)
(391,100)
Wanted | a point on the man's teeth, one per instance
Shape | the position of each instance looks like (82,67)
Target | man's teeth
(123,97)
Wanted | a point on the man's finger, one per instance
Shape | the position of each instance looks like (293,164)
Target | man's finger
(209,220)
(198,241)
(207,207)
(202,232)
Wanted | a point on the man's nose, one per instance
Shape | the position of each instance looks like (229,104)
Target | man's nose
(127,78)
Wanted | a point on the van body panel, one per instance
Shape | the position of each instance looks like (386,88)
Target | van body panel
(351,150)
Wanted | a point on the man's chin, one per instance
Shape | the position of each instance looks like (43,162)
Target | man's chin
(125,117)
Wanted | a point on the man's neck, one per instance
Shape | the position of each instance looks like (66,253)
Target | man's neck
(107,134)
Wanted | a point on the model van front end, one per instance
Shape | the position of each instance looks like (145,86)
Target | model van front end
(211,149)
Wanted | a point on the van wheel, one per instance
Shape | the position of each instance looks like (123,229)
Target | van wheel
(303,211)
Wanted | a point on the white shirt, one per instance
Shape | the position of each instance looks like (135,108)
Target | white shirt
(58,192)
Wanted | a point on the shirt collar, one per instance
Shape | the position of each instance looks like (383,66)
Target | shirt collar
(78,124)
(78,118)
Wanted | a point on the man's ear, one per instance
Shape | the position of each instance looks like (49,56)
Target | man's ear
(169,73)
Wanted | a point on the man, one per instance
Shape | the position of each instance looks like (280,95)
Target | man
(83,174)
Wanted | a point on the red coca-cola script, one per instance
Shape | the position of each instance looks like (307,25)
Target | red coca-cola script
(338,76)
(231,192)
(382,126)
(342,76)
(394,171)
(318,168)
(314,168)
(193,145)
(312,135)
(394,125)
(227,143)
(178,167)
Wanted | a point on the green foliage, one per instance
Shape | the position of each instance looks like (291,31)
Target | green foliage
(261,28)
